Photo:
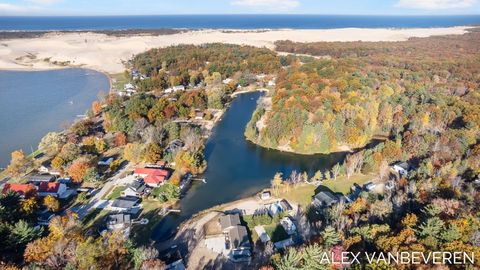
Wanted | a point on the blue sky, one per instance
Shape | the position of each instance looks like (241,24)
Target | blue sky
(154,7)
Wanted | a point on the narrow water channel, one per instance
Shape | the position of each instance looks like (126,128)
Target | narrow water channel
(236,167)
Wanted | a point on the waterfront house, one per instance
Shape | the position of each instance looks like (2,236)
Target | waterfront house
(118,221)
(143,172)
(227,81)
(46,167)
(266,195)
(324,200)
(199,115)
(54,189)
(125,204)
(355,191)
(159,165)
(239,242)
(152,177)
(135,189)
(154,180)
(369,186)
(229,221)
(24,190)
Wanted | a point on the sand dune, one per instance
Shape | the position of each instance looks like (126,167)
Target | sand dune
(108,53)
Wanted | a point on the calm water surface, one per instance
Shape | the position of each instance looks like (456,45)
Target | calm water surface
(237,168)
(231,21)
(33,103)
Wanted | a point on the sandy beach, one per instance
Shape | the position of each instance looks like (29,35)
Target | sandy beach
(109,53)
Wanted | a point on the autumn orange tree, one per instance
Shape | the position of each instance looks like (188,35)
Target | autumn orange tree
(78,169)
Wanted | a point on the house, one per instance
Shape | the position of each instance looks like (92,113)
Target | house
(178,88)
(135,189)
(227,81)
(54,189)
(355,191)
(106,161)
(24,190)
(152,177)
(271,83)
(36,179)
(266,195)
(119,221)
(369,186)
(129,86)
(239,243)
(288,225)
(125,204)
(229,221)
(143,172)
(324,199)
(262,234)
(278,207)
(199,115)
(401,168)
(44,218)
(159,165)
(175,89)
(174,145)
(46,167)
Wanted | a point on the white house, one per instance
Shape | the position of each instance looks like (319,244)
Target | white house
(401,168)
(227,81)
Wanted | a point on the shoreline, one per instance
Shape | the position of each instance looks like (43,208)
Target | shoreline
(106,53)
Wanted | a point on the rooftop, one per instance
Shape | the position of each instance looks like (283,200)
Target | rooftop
(239,237)
(227,221)
(125,202)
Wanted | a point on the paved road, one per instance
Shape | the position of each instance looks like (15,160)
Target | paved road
(114,181)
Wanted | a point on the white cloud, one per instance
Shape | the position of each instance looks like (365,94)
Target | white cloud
(435,4)
(44,2)
(6,8)
(269,5)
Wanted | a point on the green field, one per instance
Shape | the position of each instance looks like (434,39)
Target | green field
(302,194)
(115,193)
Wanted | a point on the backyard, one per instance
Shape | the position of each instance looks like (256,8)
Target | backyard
(303,193)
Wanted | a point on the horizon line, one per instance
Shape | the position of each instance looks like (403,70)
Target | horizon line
(241,14)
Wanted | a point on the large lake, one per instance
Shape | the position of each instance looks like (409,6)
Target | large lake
(32,103)
(236,167)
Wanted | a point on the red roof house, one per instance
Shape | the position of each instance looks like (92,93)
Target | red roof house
(151,171)
(154,180)
(151,176)
(25,190)
(51,188)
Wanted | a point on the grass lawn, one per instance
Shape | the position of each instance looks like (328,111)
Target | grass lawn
(302,194)
(95,219)
(141,233)
(118,81)
(343,185)
(276,232)
(115,193)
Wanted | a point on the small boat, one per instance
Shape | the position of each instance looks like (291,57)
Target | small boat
(70,102)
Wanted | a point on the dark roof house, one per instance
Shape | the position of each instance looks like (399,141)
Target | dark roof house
(324,199)
(229,221)
(118,221)
(125,203)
